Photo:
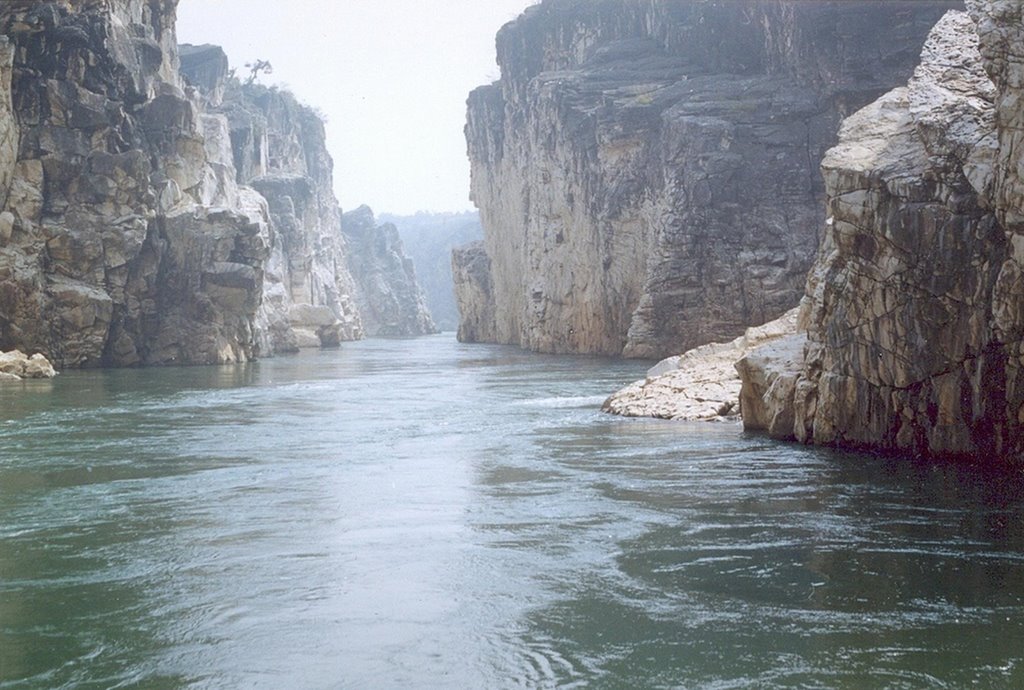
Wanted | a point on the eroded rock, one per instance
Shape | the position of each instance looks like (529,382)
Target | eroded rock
(916,302)
(647,171)
(703,383)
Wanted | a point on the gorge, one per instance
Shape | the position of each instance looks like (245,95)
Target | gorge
(262,466)
(647,171)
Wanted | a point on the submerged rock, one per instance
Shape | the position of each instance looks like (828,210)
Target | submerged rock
(701,384)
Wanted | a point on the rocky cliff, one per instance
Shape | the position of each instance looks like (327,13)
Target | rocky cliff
(147,218)
(429,239)
(915,309)
(388,295)
(646,170)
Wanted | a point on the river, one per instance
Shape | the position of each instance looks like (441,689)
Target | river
(425,514)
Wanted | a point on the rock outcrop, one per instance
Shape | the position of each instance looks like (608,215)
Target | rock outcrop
(279,148)
(429,239)
(16,365)
(646,170)
(701,384)
(117,245)
(474,292)
(916,303)
(152,209)
(389,298)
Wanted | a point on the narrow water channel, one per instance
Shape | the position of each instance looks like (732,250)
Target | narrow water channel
(423,514)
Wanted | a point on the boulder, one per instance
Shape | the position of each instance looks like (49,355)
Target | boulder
(703,383)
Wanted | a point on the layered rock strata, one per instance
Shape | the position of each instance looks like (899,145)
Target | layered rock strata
(916,303)
(701,384)
(646,170)
(147,218)
(389,298)
(118,245)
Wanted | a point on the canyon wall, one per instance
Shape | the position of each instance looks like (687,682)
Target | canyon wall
(147,218)
(647,171)
(429,239)
(915,306)
(387,292)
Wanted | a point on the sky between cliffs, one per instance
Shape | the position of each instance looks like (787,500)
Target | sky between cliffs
(391,76)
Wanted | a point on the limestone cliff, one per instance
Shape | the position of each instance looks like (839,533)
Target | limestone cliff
(121,243)
(646,170)
(389,298)
(915,309)
(429,239)
(153,210)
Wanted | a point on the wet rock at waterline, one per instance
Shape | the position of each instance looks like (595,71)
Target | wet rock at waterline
(16,365)
(916,302)
(701,384)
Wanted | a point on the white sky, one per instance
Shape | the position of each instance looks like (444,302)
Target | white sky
(391,76)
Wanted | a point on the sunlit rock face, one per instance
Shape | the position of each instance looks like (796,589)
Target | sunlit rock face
(916,301)
(152,210)
(647,171)
(387,293)
(120,243)
(326,280)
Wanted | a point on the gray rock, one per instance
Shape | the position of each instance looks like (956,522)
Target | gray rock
(646,171)
(702,384)
(388,295)
(916,301)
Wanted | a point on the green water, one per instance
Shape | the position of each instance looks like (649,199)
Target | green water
(422,514)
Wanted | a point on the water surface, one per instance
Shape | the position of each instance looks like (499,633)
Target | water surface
(423,514)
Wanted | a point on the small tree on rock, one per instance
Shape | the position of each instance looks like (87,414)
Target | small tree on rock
(257,68)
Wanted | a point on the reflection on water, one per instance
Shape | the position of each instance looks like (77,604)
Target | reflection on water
(425,514)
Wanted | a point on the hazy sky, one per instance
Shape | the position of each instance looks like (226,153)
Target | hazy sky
(391,76)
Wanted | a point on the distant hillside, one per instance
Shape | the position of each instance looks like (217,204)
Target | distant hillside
(429,239)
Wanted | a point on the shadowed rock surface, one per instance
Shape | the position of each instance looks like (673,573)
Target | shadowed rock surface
(916,302)
(647,171)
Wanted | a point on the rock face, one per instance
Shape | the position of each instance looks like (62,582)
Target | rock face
(156,216)
(429,239)
(278,147)
(474,292)
(646,170)
(701,384)
(118,247)
(916,302)
(389,298)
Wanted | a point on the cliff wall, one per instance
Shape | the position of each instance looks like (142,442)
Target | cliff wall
(147,218)
(646,170)
(915,306)
(387,292)
(118,245)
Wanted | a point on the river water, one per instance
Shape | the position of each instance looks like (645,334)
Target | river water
(424,514)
